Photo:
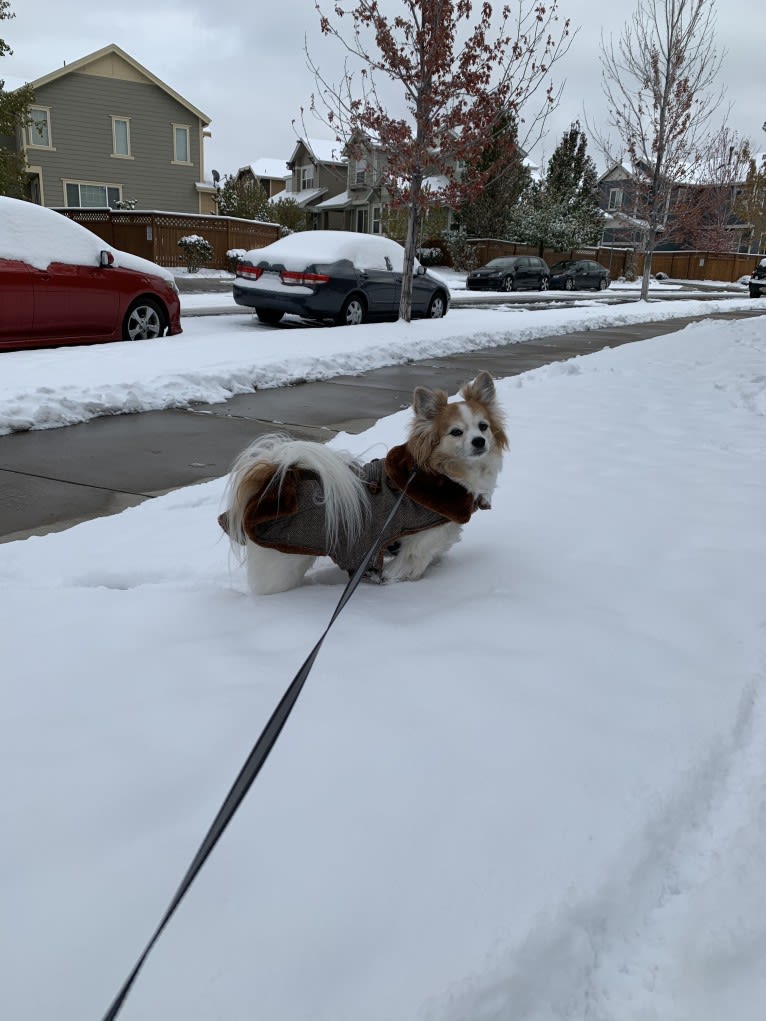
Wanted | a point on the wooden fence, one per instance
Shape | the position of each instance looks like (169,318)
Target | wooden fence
(155,235)
(678,265)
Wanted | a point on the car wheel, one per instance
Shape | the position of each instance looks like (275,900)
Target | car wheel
(145,320)
(602,284)
(353,313)
(569,284)
(437,307)
(269,316)
(509,284)
(544,283)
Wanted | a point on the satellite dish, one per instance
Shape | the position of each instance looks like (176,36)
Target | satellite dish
(216,176)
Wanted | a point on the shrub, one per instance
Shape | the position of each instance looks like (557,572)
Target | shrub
(462,254)
(232,258)
(197,252)
(431,256)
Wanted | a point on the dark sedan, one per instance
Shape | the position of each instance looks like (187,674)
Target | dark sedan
(334,276)
(510,273)
(579,275)
(61,284)
(757,282)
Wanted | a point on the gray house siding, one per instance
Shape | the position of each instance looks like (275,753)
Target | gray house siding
(81,110)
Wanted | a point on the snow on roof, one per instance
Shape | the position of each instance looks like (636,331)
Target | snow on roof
(39,236)
(318,247)
(268,166)
(325,150)
(303,198)
(336,201)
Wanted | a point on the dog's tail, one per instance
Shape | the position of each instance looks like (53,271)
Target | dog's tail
(263,465)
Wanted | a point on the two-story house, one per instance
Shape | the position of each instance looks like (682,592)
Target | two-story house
(106,131)
(318,172)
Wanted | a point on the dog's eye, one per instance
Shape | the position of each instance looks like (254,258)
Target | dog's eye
(483,427)
(456,432)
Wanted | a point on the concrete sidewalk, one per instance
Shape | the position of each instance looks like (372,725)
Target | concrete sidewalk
(53,478)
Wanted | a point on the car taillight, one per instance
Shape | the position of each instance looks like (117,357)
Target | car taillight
(244,269)
(289,276)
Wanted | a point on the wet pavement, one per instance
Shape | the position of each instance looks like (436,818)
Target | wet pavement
(51,479)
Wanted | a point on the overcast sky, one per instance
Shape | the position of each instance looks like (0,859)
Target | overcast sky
(243,64)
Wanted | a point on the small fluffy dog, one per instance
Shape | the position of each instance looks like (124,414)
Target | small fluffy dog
(290,501)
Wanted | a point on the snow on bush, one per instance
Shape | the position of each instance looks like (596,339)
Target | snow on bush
(197,251)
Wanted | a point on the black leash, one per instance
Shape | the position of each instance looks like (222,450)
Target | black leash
(252,766)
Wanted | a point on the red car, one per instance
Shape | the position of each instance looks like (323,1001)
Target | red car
(61,284)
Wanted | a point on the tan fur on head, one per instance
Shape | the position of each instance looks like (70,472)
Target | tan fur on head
(435,416)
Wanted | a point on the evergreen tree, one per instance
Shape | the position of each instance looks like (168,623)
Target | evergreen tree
(14,113)
(243,198)
(561,211)
(490,213)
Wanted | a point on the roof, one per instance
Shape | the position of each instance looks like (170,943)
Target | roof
(105,57)
(303,198)
(324,150)
(345,200)
(268,166)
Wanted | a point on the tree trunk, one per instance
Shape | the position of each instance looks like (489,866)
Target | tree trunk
(651,242)
(405,304)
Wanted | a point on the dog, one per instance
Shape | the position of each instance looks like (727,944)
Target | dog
(291,501)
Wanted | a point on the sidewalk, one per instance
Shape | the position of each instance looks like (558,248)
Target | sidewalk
(54,478)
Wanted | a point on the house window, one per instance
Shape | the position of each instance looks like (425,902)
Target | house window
(376,219)
(88,194)
(181,148)
(40,127)
(615,198)
(121,137)
(361,171)
(361,221)
(307,177)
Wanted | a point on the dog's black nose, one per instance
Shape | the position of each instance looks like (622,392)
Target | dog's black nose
(479,442)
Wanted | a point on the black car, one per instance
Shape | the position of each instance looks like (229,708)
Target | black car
(757,282)
(334,276)
(510,273)
(579,275)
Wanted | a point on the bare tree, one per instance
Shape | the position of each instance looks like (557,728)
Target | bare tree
(703,214)
(659,83)
(452,77)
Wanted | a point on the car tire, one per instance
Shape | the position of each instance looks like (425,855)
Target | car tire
(146,319)
(437,306)
(269,316)
(603,284)
(353,312)
(508,284)
(544,284)
(569,284)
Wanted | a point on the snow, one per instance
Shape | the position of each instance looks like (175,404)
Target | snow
(529,786)
(213,360)
(39,236)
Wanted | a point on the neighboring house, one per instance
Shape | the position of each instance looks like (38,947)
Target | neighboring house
(364,205)
(318,171)
(272,175)
(708,206)
(104,131)
(359,207)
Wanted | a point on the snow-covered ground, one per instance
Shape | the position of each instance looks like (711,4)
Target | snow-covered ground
(218,357)
(531,786)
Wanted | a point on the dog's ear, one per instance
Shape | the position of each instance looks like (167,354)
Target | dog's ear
(481,389)
(428,403)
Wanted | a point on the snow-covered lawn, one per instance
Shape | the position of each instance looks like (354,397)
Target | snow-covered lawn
(530,787)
